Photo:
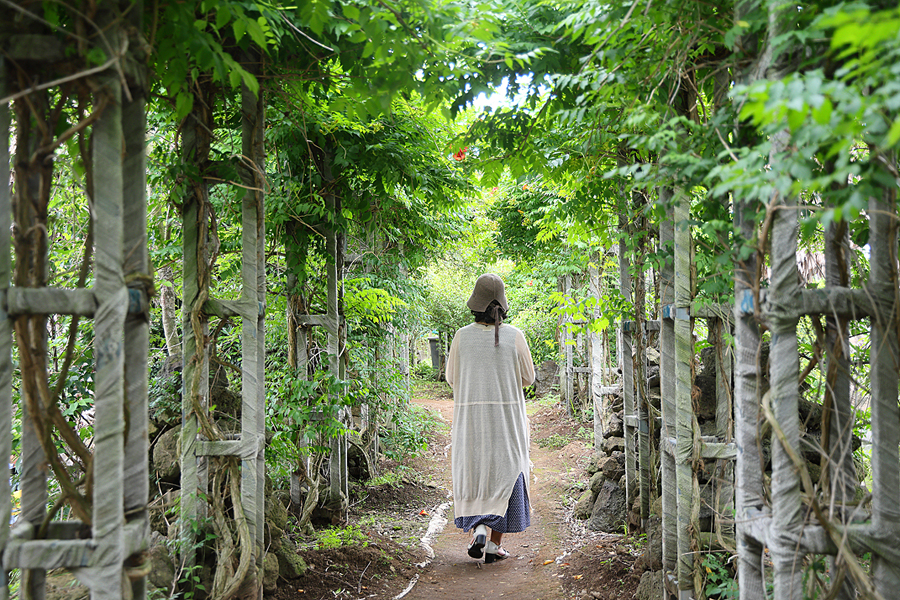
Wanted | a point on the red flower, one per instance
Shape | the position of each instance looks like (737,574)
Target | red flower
(461,154)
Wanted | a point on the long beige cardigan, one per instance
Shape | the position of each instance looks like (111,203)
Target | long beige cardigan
(490,428)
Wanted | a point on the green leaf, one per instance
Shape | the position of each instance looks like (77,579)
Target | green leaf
(223,16)
(822,114)
(96,56)
(234,78)
(894,133)
(256,33)
(184,102)
(351,12)
(796,119)
(240,28)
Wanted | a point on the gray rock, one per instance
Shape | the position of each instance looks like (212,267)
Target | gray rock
(584,505)
(707,506)
(166,462)
(609,512)
(595,464)
(612,469)
(653,554)
(655,395)
(596,482)
(290,564)
(652,356)
(160,520)
(615,427)
(650,587)
(708,427)
(810,414)
(162,567)
(546,377)
(276,513)
(653,380)
(815,472)
(705,406)
(614,443)
(270,573)
(708,361)
(171,365)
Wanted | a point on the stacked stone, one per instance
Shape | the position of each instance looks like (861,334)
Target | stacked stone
(603,504)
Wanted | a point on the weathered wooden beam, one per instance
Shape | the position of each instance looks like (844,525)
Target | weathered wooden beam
(244,308)
(35,301)
(848,303)
(837,301)
(245,449)
(60,301)
(316,321)
(718,450)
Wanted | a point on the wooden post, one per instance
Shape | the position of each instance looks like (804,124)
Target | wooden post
(684,418)
(6,369)
(298,356)
(195,355)
(570,361)
(884,352)
(784,361)
(839,473)
(33,475)
(252,322)
(724,517)
(667,392)
(598,365)
(339,477)
(626,364)
(137,324)
(641,403)
(109,322)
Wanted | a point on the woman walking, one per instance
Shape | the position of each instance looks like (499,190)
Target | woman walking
(488,365)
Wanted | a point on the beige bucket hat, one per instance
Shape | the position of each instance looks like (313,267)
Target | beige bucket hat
(488,288)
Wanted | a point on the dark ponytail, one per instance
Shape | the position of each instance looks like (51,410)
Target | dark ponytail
(494,315)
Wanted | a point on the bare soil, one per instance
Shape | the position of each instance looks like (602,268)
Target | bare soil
(555,559)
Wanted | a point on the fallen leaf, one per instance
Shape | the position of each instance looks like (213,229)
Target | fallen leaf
(577,576)
(547,562)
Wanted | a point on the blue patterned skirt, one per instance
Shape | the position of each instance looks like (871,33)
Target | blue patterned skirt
(516,519)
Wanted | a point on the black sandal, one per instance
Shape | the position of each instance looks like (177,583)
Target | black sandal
(476,547)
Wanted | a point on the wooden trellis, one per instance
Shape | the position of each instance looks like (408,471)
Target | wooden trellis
(249,443)
(575,347)
(106,555)
(837,525)
(779,528)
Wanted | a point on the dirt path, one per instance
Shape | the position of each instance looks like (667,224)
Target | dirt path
(453,575)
